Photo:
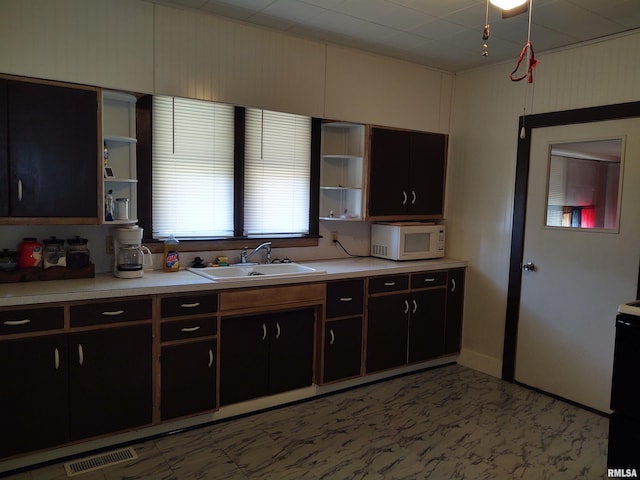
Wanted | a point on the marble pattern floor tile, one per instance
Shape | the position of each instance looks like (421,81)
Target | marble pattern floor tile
(446,423)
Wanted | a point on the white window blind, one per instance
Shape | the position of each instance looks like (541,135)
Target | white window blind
(193,168)
(277,173)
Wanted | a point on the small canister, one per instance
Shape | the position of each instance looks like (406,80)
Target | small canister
(78,254)
(8,260)
(122,209)
(30,253)
(54,254)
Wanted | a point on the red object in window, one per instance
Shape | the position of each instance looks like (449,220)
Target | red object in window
(588,217)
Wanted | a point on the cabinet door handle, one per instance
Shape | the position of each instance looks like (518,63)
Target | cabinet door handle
(277,330)
(453,285)
(56,358)
(346,299)
(210,364)
(264,331)
(404,197)
(413,197)
(19,190)
(333,336)
(190,305)
(113,313)
(415,306)
(389,284)
(190,329)
(80,354)
(406,307)
(15,323)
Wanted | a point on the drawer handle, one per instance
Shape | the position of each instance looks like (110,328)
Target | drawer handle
(389,284)
(80,354)
(210,358)
(430,279)
(15,323)
(190,329)
(56,358)
(453,285)
(346,299)
(277,330)
(333,337)
(190,305)
(113,313)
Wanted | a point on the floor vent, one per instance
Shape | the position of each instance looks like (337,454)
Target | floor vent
(96,462)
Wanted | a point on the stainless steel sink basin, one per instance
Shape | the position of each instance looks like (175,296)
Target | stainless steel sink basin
(254,272)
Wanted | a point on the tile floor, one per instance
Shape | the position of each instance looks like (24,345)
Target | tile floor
(447,423)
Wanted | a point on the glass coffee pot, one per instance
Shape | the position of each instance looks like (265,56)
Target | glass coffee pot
(130,258)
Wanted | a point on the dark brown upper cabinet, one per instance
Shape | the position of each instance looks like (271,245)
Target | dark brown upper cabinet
(407,175)
(48,152)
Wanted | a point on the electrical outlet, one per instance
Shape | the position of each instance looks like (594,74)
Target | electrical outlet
(334,237)
(108,245)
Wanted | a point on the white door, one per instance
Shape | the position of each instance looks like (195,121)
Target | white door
(569,300)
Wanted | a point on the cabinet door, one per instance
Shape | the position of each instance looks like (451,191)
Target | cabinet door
(291,350)
(427,174)
(426,324)
(188,379)
(455,303)
(110,380)
(4,150)
(53,150)
(244,358)
(390,152)
(34,401)
(387,332)
(342,349)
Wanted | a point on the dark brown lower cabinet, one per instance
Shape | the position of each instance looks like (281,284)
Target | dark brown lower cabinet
(455,304)
(387,329)
(188,382)
(265,354)
(342,349)
(426,324)
(109,380)
(34,402)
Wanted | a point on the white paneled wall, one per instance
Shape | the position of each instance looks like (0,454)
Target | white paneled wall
(94,42)
(373,89)
(483,147)
(207,57)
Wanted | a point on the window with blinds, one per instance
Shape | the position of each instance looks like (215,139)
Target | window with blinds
(193,171)
(277,173)
(193,168)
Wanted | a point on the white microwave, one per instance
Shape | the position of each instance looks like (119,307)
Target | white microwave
(407,240)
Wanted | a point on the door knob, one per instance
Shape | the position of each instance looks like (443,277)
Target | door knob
(529,267)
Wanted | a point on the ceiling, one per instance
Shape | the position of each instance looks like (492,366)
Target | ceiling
(444,34)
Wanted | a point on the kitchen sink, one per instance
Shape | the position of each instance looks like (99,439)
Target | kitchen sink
(254,272)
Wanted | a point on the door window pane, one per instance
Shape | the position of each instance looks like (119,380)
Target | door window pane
(584,184)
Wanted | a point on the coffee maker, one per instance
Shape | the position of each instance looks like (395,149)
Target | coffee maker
(127,252)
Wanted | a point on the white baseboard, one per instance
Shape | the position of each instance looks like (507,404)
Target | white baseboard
(481,362)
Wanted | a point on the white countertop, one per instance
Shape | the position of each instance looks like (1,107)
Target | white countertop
(158,282)
(630,308)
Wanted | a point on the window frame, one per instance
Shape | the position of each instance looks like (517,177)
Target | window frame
(145,210)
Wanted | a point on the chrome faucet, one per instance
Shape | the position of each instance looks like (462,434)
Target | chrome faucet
(266,246)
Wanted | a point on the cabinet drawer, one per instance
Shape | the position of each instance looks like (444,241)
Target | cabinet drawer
(193,328)
(188,305)
(345,298)
(428,279)
(31,320)
(389,283)
(110,312)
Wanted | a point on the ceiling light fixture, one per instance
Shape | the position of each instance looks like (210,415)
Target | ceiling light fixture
(507,4)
